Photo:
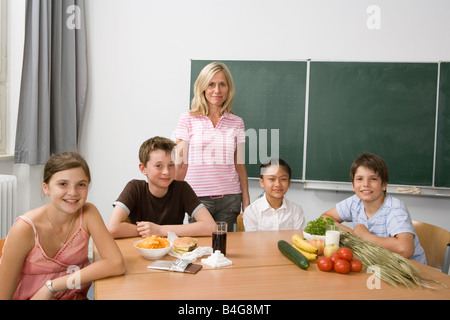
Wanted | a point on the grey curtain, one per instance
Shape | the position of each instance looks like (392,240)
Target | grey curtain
(54,80)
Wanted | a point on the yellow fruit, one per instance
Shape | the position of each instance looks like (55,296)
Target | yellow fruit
(301,243)
(308,255)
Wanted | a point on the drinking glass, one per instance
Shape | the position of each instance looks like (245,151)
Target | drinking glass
(332,235)
(219,237)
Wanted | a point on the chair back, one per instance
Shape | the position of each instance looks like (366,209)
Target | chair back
(2,242)
(240,223)
(434,241)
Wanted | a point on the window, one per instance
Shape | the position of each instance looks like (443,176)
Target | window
(3,76)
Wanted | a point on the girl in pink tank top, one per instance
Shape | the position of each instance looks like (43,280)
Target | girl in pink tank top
(45,255)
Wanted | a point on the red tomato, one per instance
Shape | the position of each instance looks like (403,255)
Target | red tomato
(342,266)
(345,253)
(356,265)
(325,264)
(334,257)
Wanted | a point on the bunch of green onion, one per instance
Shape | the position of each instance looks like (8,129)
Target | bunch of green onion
(394,268)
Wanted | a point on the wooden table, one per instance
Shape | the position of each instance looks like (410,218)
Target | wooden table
(259,271)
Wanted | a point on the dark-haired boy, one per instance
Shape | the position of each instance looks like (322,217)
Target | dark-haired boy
(377,217)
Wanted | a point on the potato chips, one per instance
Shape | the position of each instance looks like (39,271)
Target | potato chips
(153,242)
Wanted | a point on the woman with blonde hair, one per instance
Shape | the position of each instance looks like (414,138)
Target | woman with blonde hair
(210,146)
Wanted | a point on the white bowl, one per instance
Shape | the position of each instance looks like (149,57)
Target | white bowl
(309,237)
(152,254)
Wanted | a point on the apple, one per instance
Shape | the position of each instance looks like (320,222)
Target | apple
(330,249)
(319,244)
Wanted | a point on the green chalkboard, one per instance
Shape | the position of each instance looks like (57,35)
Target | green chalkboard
(385,108)
(270,98)
(443,132)
(353,107)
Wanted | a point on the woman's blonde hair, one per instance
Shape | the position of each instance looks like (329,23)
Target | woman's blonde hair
(199,105)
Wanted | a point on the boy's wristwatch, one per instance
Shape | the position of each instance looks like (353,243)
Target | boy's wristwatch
(49,284)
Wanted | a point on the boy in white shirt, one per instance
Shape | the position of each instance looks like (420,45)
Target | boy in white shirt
(272,211)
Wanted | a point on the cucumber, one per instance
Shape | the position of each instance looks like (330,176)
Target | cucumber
(296,257)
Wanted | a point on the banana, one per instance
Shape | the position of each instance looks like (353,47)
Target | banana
(301,243)
(308,255)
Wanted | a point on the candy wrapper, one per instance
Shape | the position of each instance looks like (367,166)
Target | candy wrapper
(178,266)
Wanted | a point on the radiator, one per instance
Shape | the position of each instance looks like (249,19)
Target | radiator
(8,203)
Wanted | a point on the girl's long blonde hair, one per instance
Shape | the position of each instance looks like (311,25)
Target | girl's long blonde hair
(199,105)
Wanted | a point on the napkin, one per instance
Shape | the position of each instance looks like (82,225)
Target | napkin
(217,260)
(188,256)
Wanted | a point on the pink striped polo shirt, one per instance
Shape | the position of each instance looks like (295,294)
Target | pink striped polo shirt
(211,168)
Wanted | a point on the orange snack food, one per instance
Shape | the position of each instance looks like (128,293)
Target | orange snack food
(153,242)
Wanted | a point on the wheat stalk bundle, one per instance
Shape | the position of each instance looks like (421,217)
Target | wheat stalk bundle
(394,268)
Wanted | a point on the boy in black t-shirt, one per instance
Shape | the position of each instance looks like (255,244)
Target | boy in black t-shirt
(159,205)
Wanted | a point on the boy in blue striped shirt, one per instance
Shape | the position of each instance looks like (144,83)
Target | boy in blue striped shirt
(377,217)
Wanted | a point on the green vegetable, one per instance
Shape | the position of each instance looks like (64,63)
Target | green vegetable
(318,226)
(294,255)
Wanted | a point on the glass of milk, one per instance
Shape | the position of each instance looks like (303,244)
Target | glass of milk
(332,235)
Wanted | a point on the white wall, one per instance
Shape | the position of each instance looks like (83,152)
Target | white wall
(139,69)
